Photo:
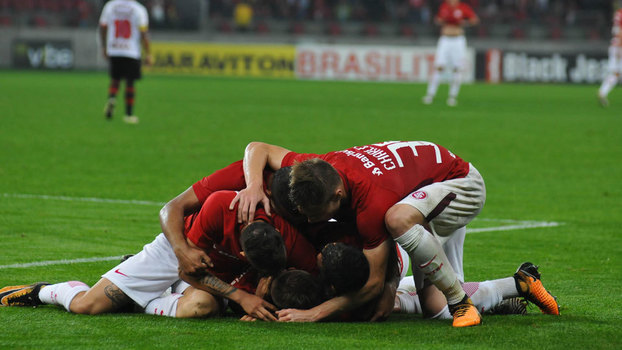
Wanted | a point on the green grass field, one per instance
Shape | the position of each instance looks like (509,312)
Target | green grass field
(548,153)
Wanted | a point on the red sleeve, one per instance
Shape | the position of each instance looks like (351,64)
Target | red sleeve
(208,225)
(228,178)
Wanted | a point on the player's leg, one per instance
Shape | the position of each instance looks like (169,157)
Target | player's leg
(610,81)
(437,204)
(405,224)
(458,53)
(113,87)
(132,74)
(440,61)
(129,102)
(103,297)
(199,303)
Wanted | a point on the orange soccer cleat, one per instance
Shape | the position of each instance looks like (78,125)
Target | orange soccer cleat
(465,313)
(530,287)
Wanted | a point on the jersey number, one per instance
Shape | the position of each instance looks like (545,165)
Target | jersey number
(394,146)
(122,29)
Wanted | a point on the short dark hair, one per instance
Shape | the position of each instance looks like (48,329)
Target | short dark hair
(279,193)
(296,289)
(264,247)
(344,267)
(312,185)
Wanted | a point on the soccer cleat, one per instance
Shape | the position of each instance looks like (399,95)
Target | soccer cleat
(604,102)
(126,256)
(130,119)
(109,108)
(465,313)
(530,287)
(427,99)
(512,306)
(452,102)
(26,295)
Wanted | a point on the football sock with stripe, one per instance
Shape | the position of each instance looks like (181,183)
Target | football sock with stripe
(62,293)
(426,252)
(164,306)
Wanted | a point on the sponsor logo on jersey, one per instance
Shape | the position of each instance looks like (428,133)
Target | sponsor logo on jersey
(419,195)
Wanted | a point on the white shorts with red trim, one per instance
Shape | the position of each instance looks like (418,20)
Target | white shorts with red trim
(148,274)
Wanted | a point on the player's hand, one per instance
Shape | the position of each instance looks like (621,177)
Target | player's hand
(294,315)
(248,199)
(258,308)
(193,261)
(247,318)
(148,60)
(385,304)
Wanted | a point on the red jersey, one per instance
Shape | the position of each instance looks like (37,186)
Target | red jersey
(215,229)
(616,28)
(454,14)
(378,176)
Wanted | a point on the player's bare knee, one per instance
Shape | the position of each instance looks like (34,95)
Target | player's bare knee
(198,304)
(401,217)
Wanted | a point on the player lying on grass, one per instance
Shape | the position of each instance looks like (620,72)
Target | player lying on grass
(437,194)
(234,253)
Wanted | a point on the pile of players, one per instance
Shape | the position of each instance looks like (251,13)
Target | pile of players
(311,237)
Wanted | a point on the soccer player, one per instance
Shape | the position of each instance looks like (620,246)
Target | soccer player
(230,251)
(615,60)
(123,27)
(436,188)
(452,17)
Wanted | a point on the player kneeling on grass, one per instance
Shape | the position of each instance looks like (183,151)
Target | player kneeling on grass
(144,278)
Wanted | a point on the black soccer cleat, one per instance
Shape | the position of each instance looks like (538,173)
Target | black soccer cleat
(26,295)
(511,306)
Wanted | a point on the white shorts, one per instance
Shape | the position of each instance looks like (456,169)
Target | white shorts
(451,52)
(615,59)
(148,274)
(449,206)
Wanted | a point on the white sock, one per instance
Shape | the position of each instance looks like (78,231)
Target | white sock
(443,314)
(426,252)
(408,302)
(608,83)
(456,80)
(484,295)
(62,293)
(435,80)
(164,306)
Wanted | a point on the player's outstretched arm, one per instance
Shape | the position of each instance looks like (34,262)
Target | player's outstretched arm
(378,258)
(257,156)
(253,305)
(192,260)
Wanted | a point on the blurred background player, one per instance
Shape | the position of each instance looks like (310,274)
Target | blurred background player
(124,27)
(615,60)
(452,16)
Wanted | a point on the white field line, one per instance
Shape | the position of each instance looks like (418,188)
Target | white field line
(60,262)
(515,225)
(81,199)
